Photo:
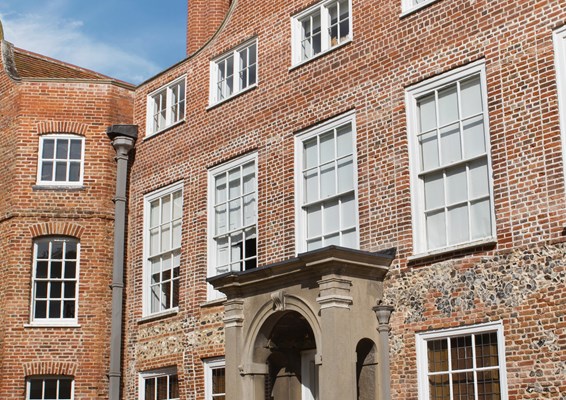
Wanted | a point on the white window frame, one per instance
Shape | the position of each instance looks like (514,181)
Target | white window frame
(49,377)
(326,45)
(409,6)
(559,37)
(157,194)
(210,365)
(300,212)
(47,321)
(212,173)
(170,119)
(40,160)
(412,94)
(157,373)
(422,357)
(237,89)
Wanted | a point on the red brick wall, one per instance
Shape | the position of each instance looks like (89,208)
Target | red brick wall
(84,108)
(388,53)
(204,18)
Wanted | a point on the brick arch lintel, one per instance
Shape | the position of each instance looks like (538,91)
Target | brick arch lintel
(77,128)
(50,368)
(57,228)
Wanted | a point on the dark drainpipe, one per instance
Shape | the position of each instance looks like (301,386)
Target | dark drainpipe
(123,138)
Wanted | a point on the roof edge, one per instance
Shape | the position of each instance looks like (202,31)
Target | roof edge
(7,50)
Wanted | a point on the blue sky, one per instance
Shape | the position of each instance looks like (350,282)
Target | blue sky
(130,40)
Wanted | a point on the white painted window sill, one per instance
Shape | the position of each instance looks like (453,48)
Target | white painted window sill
(416,8)
(162,314)
(321,54)
(150,135)
(213,303)
(52,325)
(234,95)
(449,249)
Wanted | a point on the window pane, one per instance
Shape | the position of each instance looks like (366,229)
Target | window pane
(74,171)
(176,234)
(220,219)
(458,225)
(456,185)
(481,219)
(35,389)
(154,241)
(474,137)
(55,309)
(348,212)
(434,191)
(331,216)
(327,147)
(65,388)
(50,389)
(40,309)
(486,350)
(41,290)
(249,209)
(177,205)
(150,389)
(478,178)
(327,181)
(165,238)
(62,149)
(439,387)
(314,221)
(249,177)
(349,239)
(489,387)
(234,184)
(41,269)
(60,171)
(345,175)
(471,97)
(220,195)
(429,150)
(173,387)
(69,292)
(154,213)
(311,186)
(56,269)
(448,105)
(70,269)
(310,155)
(344,140)
(450,143)
(463,386)
(47,171)
(437,354)
(222,255)
(435,230)
(166,209)
(427,113)
(57,249)
(235,215)
(48,148)
(75,152)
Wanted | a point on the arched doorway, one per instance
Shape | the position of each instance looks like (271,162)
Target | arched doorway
(291,346)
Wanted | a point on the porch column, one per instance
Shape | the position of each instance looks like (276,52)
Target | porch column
(383,313)
(337,378)
(234,342)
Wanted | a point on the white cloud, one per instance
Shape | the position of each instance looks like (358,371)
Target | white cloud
(63,39)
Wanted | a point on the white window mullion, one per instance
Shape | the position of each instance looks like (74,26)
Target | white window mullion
(324,27)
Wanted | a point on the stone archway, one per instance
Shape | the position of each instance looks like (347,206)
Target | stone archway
(292,373)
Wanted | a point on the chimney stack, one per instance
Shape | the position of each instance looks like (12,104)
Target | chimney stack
(204,19)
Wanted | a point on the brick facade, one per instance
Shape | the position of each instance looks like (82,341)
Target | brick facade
(519,279)
(32,107)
